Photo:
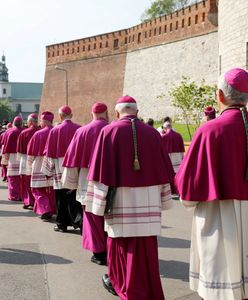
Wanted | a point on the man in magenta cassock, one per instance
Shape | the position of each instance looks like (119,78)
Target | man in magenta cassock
(59,138)
(4,167)
(9,158)
(174,145)
(122,166)
(24,170)
(213,179)
(41,186)
(76,165)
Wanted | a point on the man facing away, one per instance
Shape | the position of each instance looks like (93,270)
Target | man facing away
(76,165)
(122,166)
(25,171)
(9,158)
(213,179)
(42,187)
(4,167)
(57,143)
(174,145)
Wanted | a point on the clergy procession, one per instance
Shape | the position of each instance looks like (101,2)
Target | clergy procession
(111,180)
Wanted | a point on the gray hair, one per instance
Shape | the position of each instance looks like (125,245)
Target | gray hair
(120,107)
(232,96)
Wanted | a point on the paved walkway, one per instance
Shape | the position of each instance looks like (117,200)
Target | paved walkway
(37,263)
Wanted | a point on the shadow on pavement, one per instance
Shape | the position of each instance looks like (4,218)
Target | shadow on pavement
(24,257)
(8,202)
(166,242)
(3,187)
(174,269)
(7,213)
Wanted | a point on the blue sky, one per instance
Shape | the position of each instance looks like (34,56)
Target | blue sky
(27,26)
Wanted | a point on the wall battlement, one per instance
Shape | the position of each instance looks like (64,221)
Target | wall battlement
(194,20)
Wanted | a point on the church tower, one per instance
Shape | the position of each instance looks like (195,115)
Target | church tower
(3,70)
(5,87)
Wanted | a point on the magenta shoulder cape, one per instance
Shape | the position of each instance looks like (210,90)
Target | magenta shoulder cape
(24,138)
(112,160)
(10,140)
(215,164)
(59,139)
(80,150)
(173,141)
(37,143)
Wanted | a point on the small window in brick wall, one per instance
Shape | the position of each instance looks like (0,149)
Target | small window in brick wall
(48,54)
(106,44)
(145,34)
(165,28)
(189,21)
(77,49)
(94,45)
(125,40)
(139,37)
(57,52)
(129,39)
(116,43)
(176,25)
(170,26)
(182,23)
(203,17)
(196,19)
(63,52)
(83,48)
(72,50)
(88,47)
(100,45)
(67,51)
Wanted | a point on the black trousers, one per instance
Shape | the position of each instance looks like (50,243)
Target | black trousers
(69,210)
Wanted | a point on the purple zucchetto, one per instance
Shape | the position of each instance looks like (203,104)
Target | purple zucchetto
(238,79)
(209,112)
(99,107)
(65,109)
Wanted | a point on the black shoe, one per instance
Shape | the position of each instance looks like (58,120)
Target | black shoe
(107,284)
(28,206)
(99,261)
(46,217)
(60,228)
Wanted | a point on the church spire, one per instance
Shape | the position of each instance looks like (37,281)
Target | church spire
(3,70)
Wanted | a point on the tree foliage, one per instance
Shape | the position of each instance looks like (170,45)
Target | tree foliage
(190,99)
(163,7)
(6,112)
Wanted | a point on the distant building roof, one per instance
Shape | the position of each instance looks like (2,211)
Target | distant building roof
(26,90)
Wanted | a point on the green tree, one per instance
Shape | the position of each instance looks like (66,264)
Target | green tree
(163,7)
(190,99)
(6,112)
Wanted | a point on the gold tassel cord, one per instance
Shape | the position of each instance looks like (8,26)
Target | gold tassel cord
(136,164)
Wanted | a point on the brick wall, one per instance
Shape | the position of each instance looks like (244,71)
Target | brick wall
(158,53)
(185,23)
(97,79)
